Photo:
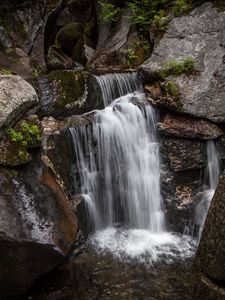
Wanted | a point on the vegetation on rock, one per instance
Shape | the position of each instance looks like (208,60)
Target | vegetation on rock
(178,67)
(172,88)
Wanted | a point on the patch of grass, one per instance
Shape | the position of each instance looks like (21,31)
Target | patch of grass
(160,20)
(180,7)
(131,56)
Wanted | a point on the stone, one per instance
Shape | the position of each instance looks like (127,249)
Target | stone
(184,154)
(38,227)
(57,60)
(5,40)
(201,92)
(211,251)
(16,97)
(64,93)
(186,127)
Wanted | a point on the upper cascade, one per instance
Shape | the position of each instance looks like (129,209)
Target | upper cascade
(118,84)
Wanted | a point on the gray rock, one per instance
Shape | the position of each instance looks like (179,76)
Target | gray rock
(211,250)
(16,97)
(200,35)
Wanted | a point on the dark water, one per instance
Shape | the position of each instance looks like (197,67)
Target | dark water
(93,276)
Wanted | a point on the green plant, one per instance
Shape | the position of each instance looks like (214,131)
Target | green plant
(177,67)
(109,11)
(26,135)
(160,20)
(131,56)
(180,7)
(4,71)
(172,88)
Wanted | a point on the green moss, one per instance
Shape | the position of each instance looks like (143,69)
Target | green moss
(160,20)
(70,86)
(4,71)
(178,67)
(181,6)
(172,88)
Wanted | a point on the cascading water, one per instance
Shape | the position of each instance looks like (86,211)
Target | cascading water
(119,166)
(211,181)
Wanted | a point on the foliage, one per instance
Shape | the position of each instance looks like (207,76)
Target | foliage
(176,67)
(180,7)
(160,20)
(172,88)
(4,71)
(131,56)
(110,12)
(26,135)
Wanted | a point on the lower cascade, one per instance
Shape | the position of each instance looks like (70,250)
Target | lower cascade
(119,168)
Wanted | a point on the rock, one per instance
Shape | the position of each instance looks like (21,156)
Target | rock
(16,97)
(186,127)
(184,154)
(207,289)
(119,46)
(5,40)
(211,251)
(197,34)
(64,93)
(38,227)
(57,60)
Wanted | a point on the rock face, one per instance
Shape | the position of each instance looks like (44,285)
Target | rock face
(16,97)
(198,34)
(186,127)
(38,228)
(211,251)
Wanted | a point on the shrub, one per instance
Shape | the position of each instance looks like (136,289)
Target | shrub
(131,56)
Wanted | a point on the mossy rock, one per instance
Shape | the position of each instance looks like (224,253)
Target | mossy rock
(70,90)
(13,154)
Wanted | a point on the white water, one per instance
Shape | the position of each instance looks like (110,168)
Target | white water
(211,178)
(119,166)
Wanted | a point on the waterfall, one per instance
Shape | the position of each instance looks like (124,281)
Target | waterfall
(119,166)
(114,86)
(211,181)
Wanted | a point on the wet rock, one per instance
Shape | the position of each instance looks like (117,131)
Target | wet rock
(207,289)
(202,92)
(38,228)
(17,96)
(211,250)
(64,93)
(186,127)
(184,154)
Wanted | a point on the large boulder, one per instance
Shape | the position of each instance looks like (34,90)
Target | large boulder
(195,35)
(211,251)
(38,227)
(16,97)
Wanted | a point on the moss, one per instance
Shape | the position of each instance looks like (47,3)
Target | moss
(14,154)
(172,88)
(178,67)
(70,86)
(4,71)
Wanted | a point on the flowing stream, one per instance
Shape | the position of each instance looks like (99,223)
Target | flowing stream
(119,167)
